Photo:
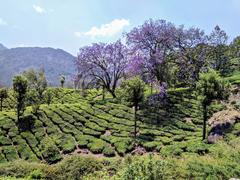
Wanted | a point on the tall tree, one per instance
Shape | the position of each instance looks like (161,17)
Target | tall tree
(103,63)
(189,53)
(133,92)
(3,95)
(156,44)
(218,51)
(210,87)
(37,85)
(20,86)
(150,45)
(37,81)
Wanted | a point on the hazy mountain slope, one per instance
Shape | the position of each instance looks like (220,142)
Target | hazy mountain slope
(54,61)
(2,47)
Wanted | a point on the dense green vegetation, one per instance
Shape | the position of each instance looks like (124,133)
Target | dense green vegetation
(165,105)
(90,125)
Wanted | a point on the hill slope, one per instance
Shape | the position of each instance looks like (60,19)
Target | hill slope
(54,61)
(86,126)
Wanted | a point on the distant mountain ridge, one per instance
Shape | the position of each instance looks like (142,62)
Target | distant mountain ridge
(2,47)
(55,62)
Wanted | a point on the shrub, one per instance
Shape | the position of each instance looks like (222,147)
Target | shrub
(172,150)
(19,168)
(74,167)
(108,151)
(97,145)
(151,145)
(197,147)
(10,153)
(146,168)
(36,174)
(83,140)
(50,151)
(4,141)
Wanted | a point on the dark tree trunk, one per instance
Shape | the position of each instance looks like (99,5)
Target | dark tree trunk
(1,104)
(135,121)
(18,115)
(103,93)
(204,121)
(112,93)
(151,86)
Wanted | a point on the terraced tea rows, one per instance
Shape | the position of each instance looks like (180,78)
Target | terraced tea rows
(102,127)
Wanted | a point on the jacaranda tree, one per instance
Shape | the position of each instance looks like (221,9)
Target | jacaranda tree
(150,46)
(156,45)
(103,63)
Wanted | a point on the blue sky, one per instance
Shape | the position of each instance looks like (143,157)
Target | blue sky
(70,24)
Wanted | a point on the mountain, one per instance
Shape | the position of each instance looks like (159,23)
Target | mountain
(55,62)
(2,47)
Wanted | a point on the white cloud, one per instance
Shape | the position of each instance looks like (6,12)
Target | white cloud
(38,9)
(78,34)
(2,22)
(104,30)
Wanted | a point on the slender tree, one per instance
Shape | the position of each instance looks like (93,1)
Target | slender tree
(20,86)
(3,95)
(210,87)
(133,92)
(37,85)
(62,80)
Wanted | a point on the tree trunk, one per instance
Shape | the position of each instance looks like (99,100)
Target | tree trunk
(112,93)
(18,114)
(135,121)
(151,86)
(204,121)
(103,93)
(1,104)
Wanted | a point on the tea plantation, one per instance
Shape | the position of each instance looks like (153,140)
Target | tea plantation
(89,126)
(101,127)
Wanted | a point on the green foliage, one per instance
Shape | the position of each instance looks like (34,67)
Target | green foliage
(48,96)
(37,85)
(36,81)
(75,167)
(36,174)
(97,145)
(19,168)
(212,87)
(133,90)
(3,95)
(148,168)
(108,151)
(50,151)
(20,86)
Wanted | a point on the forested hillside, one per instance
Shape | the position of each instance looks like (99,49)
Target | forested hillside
(17,60)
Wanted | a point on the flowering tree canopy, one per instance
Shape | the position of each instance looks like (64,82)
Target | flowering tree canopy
(150,44)
(156,43)
(104,63)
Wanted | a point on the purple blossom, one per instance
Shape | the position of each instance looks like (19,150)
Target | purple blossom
(103,63)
